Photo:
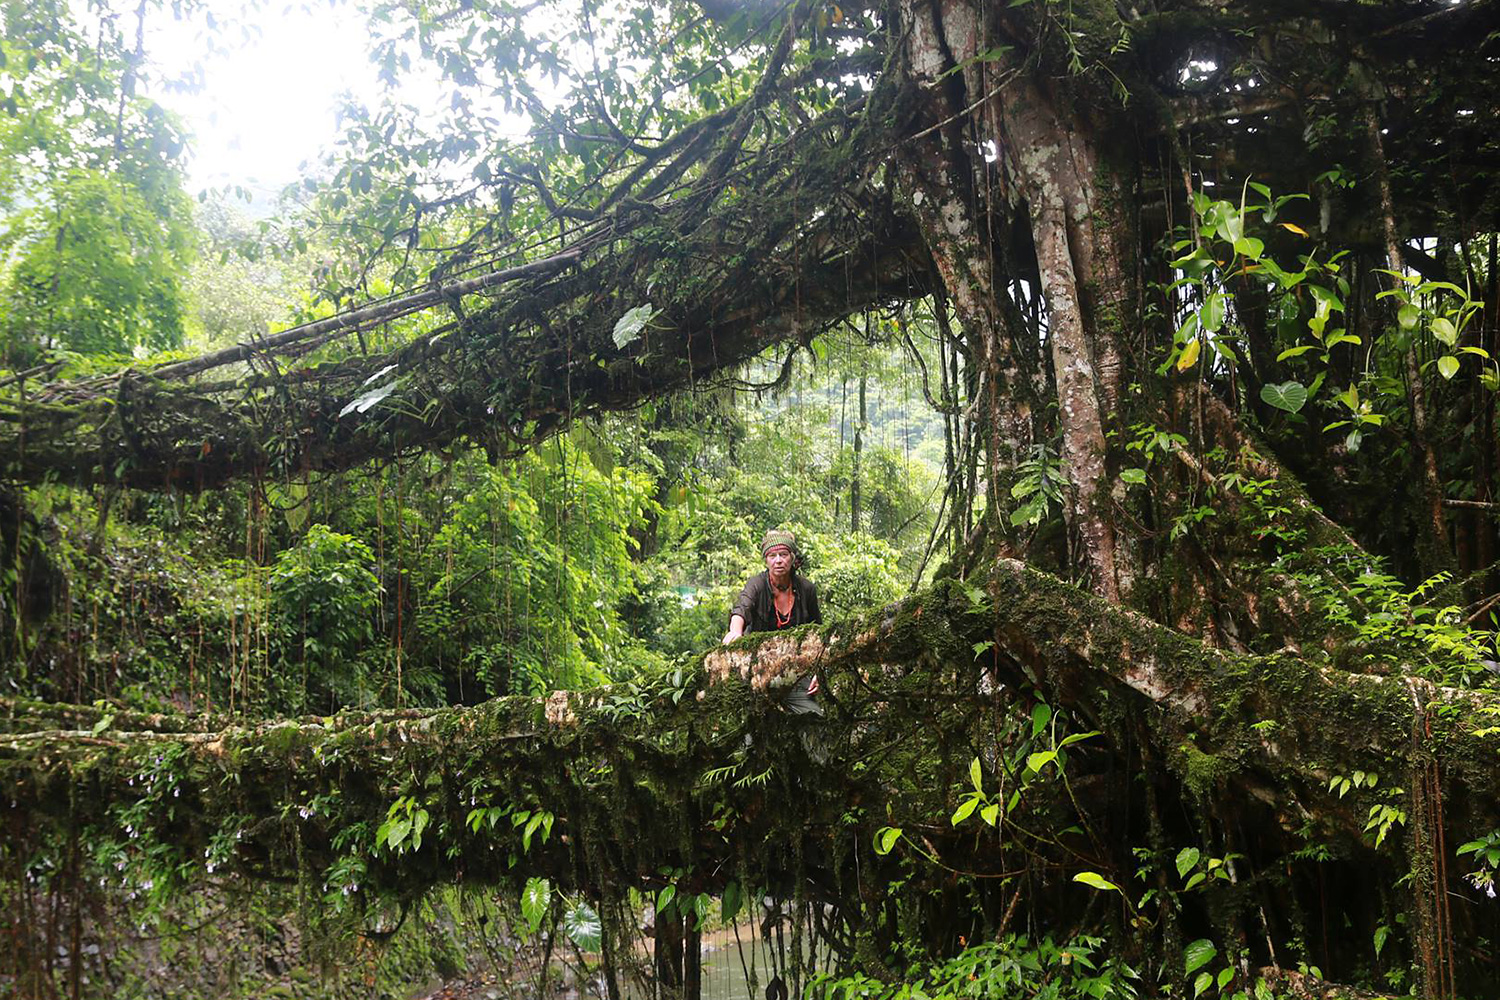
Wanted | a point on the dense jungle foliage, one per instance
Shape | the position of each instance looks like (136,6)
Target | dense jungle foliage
(1127,374)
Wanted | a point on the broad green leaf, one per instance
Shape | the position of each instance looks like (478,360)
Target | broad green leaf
(976,775)
(629,327)
(1095,880)
(1203,982)
(1224,976)
(1198,954)
(1188,330)
(1443,330)
(1381,934)
(1187,859)
(1072,738)
(1040,716)
(419,823)
(729,905)
(1211,317)
(1294,352)
(1232,225)
(990,813)
(1327,299)
(885,839)
(581,924)
(1287,396)
(665,896)
(1040,759)
(535,898)
(1408,316)
(1136,476)
(531,826)
(1447,366)
(1249,246)
(398,831)
(965,809)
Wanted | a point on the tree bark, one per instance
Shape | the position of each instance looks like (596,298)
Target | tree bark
(957,216)
(1043,157)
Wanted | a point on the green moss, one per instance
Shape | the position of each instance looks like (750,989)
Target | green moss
(282,740)
(1202,773)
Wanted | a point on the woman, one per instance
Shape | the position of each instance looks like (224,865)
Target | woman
(776,599)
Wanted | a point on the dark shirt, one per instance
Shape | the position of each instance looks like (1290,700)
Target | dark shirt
(755,604)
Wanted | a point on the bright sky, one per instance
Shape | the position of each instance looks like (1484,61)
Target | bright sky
(269,96)
(267,103)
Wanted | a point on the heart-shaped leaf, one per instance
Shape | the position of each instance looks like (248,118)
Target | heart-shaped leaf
(535,899)
(1288,396)
(1198,954)
(582,926)
(629,327)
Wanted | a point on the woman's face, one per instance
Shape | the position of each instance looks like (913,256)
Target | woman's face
(779,562)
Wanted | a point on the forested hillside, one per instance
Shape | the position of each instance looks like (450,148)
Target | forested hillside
(1127,375)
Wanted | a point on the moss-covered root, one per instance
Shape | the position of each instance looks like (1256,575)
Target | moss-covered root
(907,699)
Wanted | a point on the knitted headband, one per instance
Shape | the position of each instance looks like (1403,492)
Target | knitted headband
(775,537)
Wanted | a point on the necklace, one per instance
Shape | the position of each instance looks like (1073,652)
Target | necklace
(783,620)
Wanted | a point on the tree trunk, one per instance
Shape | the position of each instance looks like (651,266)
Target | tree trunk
(1050,163)
(950,199)
(669,957)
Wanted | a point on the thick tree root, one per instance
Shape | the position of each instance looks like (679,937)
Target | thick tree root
(722,767)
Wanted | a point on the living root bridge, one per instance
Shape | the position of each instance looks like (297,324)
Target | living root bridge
(717,779)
